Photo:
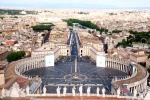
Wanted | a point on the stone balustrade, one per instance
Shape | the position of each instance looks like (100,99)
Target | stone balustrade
(84,94)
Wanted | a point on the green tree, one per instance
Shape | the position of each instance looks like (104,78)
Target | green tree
(116,31)
(88,24)
(15,56)
(143,64)
(43,34)
(42,27)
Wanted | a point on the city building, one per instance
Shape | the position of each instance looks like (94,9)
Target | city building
(75,63)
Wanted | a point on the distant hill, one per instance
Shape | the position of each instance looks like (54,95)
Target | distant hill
(15,12)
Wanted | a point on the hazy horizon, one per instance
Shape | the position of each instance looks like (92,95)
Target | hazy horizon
(76,4)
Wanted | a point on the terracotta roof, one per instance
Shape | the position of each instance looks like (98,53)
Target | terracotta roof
(8,79)
(136,55)
(81,98)
(67,98)
(21,82)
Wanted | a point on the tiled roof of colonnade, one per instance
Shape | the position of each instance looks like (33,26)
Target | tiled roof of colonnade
(10,73)
(141,74)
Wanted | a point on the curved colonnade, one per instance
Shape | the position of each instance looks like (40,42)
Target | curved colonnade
(29,64)
(111,62)
(137,81)
(118,64)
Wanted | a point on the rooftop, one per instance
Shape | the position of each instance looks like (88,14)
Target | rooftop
(67,98)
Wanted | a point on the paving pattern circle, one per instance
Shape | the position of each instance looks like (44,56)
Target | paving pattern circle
(75,78)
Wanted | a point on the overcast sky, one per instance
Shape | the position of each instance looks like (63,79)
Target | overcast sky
(83,4)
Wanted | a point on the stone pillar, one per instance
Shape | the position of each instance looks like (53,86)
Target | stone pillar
(73,91)
(27,67)
(110,64)
(3,92)
(22,68)
(132,89)
(27,90)
(115,65)
(118,64)
(118,92)
(125,69)
(44,90)
(103,92)
(145,84)
(135,92)
(58,91)
(32,65)
(120,67)
(64,91)
(139,89)
(88,91)
(97,91)
(81,90)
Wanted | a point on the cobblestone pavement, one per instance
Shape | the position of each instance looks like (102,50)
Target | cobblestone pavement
(94,76)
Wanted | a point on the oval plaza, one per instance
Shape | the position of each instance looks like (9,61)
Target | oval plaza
(81,67)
